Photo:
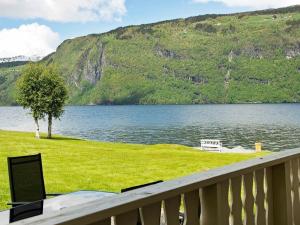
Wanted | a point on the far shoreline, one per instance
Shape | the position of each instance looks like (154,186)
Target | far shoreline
(240,103)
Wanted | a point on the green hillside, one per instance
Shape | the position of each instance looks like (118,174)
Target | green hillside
(247,57)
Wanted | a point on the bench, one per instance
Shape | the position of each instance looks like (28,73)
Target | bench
(211,145)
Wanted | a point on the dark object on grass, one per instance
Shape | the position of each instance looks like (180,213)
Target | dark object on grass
(26,179)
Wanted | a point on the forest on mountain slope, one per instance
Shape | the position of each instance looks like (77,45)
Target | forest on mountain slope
(237,58)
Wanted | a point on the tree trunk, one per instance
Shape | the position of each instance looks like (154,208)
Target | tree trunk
(49,126)
(37,128)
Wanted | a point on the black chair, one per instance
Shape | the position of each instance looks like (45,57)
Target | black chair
(26,179)
(26,211)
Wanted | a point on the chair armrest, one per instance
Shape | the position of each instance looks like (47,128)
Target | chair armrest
(54,194)
(18,203)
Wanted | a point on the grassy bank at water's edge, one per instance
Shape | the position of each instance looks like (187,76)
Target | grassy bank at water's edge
(73,164)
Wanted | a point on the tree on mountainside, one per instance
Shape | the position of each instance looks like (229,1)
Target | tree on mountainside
(41,90)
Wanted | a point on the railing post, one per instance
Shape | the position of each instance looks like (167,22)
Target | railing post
(269,196)
(296,199)
(103,222)
(209,205)
(128,218)
(281,188)
(192,208)
(214,199)
(171,210)
(249,199)
(261,215)
(150,214)
(237,204)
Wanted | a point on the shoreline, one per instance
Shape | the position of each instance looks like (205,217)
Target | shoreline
(191,104)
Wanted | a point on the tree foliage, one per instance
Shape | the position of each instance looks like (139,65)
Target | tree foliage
(29,87)
(41,90)
(54,95)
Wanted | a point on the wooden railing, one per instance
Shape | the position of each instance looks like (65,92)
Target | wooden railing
(262,191)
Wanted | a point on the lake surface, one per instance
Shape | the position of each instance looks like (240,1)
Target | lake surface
(276,125)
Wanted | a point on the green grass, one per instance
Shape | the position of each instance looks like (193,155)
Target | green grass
(72,164)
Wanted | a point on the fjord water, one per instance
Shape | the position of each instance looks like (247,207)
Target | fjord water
(277,126)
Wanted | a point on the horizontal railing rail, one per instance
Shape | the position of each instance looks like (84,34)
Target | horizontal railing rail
(261,191)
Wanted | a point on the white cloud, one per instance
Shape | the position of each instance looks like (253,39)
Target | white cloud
(28,40)
(64,10)
(255,4)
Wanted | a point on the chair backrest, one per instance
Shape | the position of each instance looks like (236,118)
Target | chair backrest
(26,178)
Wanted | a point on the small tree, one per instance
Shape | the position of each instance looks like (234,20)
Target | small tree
(28,92)
(42,90)
(55,95)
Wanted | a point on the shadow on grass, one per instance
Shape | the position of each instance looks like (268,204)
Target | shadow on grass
(62,139)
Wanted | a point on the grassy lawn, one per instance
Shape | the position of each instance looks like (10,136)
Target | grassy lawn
(71,164)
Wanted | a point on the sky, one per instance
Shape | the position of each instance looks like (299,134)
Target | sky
(37,27)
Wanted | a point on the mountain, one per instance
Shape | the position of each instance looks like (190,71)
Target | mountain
(20,58)
(236,58)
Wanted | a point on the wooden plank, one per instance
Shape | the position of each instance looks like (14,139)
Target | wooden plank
(237,205)
(209,205)
(104,208)
(249,199)
(223,203)
(299,176)
(150,214)
(171,210)
(288,185)
(214,199)
(281,194)
(296,197)
(103,222)
(261,216)
(191,208)
(128,218)
(269,196)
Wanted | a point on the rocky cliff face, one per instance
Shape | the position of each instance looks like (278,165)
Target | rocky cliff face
(293,51)
(90,65)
